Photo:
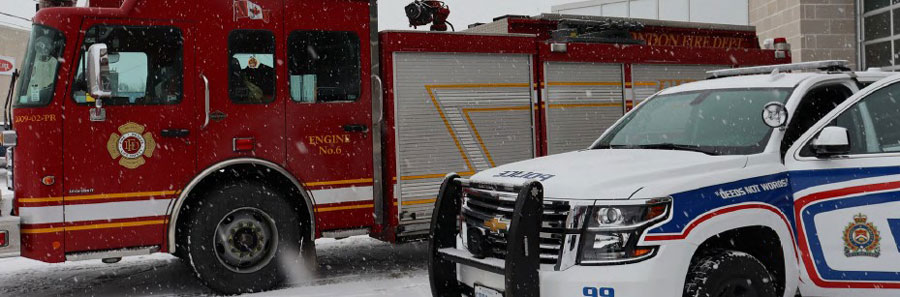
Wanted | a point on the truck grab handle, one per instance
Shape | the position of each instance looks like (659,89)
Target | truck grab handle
(378,95)
(205,101)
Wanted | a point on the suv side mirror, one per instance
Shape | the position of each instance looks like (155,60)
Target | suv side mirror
(98,71)
(832,141)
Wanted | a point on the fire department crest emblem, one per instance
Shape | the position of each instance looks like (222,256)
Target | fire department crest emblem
(131,145)
(861,238)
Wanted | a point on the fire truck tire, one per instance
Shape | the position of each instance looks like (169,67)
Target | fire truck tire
(727,273)
(244,237)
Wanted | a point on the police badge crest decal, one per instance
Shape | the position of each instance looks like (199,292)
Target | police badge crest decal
(861,238)
(131,145)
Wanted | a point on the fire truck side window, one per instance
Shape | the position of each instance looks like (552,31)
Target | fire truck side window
(251,66)
(324,66)
(145,64)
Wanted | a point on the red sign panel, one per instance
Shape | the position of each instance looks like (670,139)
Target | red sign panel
(7,65)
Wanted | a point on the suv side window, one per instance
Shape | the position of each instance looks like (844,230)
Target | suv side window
(251,66)
(145,64)
(873,123)
(324,66)
(812,108)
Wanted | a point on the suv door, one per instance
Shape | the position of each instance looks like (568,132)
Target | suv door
(847,205)
(122,173)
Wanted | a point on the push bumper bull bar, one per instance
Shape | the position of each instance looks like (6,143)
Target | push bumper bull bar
(522,261)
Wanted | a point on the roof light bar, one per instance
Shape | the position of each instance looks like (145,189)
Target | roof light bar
(828,65)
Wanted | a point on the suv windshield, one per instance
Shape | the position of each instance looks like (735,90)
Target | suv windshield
(715,122)
(42,60)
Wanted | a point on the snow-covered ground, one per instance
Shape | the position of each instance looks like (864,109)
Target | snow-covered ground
(357,266)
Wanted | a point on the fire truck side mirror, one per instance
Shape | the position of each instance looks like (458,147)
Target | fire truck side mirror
(98,71)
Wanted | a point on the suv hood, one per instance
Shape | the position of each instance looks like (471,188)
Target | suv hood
(611,173)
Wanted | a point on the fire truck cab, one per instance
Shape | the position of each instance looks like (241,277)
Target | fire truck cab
(235,133)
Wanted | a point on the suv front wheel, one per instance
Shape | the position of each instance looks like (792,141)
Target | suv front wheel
(728,273)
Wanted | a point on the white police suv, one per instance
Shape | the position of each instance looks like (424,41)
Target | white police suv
(754,183)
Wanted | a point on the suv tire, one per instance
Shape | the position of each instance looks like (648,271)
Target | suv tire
(727,273)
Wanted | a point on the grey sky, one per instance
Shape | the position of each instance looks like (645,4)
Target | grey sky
(392,17)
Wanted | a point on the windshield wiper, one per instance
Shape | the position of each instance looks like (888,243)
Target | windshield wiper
(667,146)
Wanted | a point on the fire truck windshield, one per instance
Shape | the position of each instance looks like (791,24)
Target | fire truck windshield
(42,61)
(715,122)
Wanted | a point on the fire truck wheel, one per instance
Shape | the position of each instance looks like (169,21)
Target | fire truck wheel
(244,238)
(726,273)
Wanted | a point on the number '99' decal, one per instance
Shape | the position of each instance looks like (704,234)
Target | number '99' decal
(598,292)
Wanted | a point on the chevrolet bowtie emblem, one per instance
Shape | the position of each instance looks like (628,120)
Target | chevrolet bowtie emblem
(495,224)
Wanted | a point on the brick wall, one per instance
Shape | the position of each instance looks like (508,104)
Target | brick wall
(816,29)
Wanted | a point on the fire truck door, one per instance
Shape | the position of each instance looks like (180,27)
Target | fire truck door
(243,71)
(328,123)
(124,169)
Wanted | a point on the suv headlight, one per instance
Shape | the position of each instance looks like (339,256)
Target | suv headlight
(612,230)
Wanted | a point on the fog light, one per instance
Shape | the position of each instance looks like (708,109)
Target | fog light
(477,242)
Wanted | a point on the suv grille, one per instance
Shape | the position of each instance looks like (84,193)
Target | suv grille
(480,205)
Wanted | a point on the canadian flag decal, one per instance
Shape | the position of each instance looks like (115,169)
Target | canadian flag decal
(248,9)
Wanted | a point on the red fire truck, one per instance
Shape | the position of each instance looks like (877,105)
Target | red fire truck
(234,133)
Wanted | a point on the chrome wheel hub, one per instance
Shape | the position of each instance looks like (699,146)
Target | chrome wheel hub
(246,240)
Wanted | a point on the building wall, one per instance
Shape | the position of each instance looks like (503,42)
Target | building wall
(816,29)
(12,44)
(732,12)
